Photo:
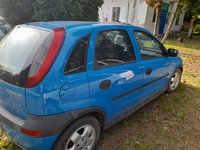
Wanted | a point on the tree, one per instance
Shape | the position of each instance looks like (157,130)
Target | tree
(172,22)
(16,12)
(189,6)
(81,10)
(22,11)
(157,4)
(193,8)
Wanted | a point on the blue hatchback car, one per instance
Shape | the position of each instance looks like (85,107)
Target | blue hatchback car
(62,83)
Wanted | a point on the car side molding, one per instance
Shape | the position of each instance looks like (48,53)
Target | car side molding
(135,89)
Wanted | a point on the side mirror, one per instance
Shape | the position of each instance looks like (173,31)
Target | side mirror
(173,52)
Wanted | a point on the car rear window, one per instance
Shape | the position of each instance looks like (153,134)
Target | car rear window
(17,51)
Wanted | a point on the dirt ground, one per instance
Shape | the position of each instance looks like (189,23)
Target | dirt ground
(170,121)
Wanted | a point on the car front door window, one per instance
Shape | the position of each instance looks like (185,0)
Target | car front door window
(112,48)
(149,47)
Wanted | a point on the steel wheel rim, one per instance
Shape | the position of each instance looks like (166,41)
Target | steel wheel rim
(82,139)
(175,81)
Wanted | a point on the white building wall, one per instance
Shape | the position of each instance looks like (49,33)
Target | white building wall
(105,12)
(132,11)
(136,12)
(149,24)
(139,12)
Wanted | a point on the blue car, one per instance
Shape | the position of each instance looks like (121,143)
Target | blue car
(62,83)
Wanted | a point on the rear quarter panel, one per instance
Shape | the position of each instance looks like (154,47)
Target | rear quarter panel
(45,99)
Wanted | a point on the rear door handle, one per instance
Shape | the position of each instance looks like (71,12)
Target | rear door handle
(148,71)
(105,84)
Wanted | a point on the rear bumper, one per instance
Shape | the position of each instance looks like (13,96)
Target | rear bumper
(27,142)
(50,126)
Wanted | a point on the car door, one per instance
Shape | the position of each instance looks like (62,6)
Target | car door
(156,64)
(113,70)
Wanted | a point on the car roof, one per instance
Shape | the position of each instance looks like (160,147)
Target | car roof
(57,24)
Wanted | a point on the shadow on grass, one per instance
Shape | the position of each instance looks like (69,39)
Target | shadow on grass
(187,43)
(147,127)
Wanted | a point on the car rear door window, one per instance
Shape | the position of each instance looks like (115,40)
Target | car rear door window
(78,58)
(113,47)
(150,48)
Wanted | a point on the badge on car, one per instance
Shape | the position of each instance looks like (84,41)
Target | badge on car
(13,93)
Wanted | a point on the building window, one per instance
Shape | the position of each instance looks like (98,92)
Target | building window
(154,16)
(177,20)
(168,17)
(115,14)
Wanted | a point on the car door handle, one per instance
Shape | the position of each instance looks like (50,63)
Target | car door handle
(148,71)
(105,84)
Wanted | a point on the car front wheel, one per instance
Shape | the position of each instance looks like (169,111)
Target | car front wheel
(174,81)
(83,134)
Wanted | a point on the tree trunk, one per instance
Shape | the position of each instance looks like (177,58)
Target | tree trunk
(157,23)
(171,23)
(191,29)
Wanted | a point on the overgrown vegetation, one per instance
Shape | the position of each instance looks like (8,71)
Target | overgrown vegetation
(23,11)
(6,144)
(197,29)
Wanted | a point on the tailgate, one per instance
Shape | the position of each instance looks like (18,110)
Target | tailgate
(17,52)
(13,99)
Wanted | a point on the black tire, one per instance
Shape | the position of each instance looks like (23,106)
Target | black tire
(65,136)
(169,88)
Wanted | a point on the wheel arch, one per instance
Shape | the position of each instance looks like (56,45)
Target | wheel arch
(97,112)
(181,68)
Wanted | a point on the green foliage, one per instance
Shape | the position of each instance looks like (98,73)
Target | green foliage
(192,8)
(197,29)
(67,10)
(16,12)
(153,3)
(23,11)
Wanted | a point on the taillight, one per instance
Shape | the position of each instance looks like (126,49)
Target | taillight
(31,133)
(44,66)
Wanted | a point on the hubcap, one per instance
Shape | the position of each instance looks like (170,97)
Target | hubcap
(82,139)
(175,81)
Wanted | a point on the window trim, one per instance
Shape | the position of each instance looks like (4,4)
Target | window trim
(129,62)
(163,47)
(85,58)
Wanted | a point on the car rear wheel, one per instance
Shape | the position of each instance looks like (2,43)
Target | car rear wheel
(83,134)
(174,81)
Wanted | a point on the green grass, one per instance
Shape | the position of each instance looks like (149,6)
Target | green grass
(193,43)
